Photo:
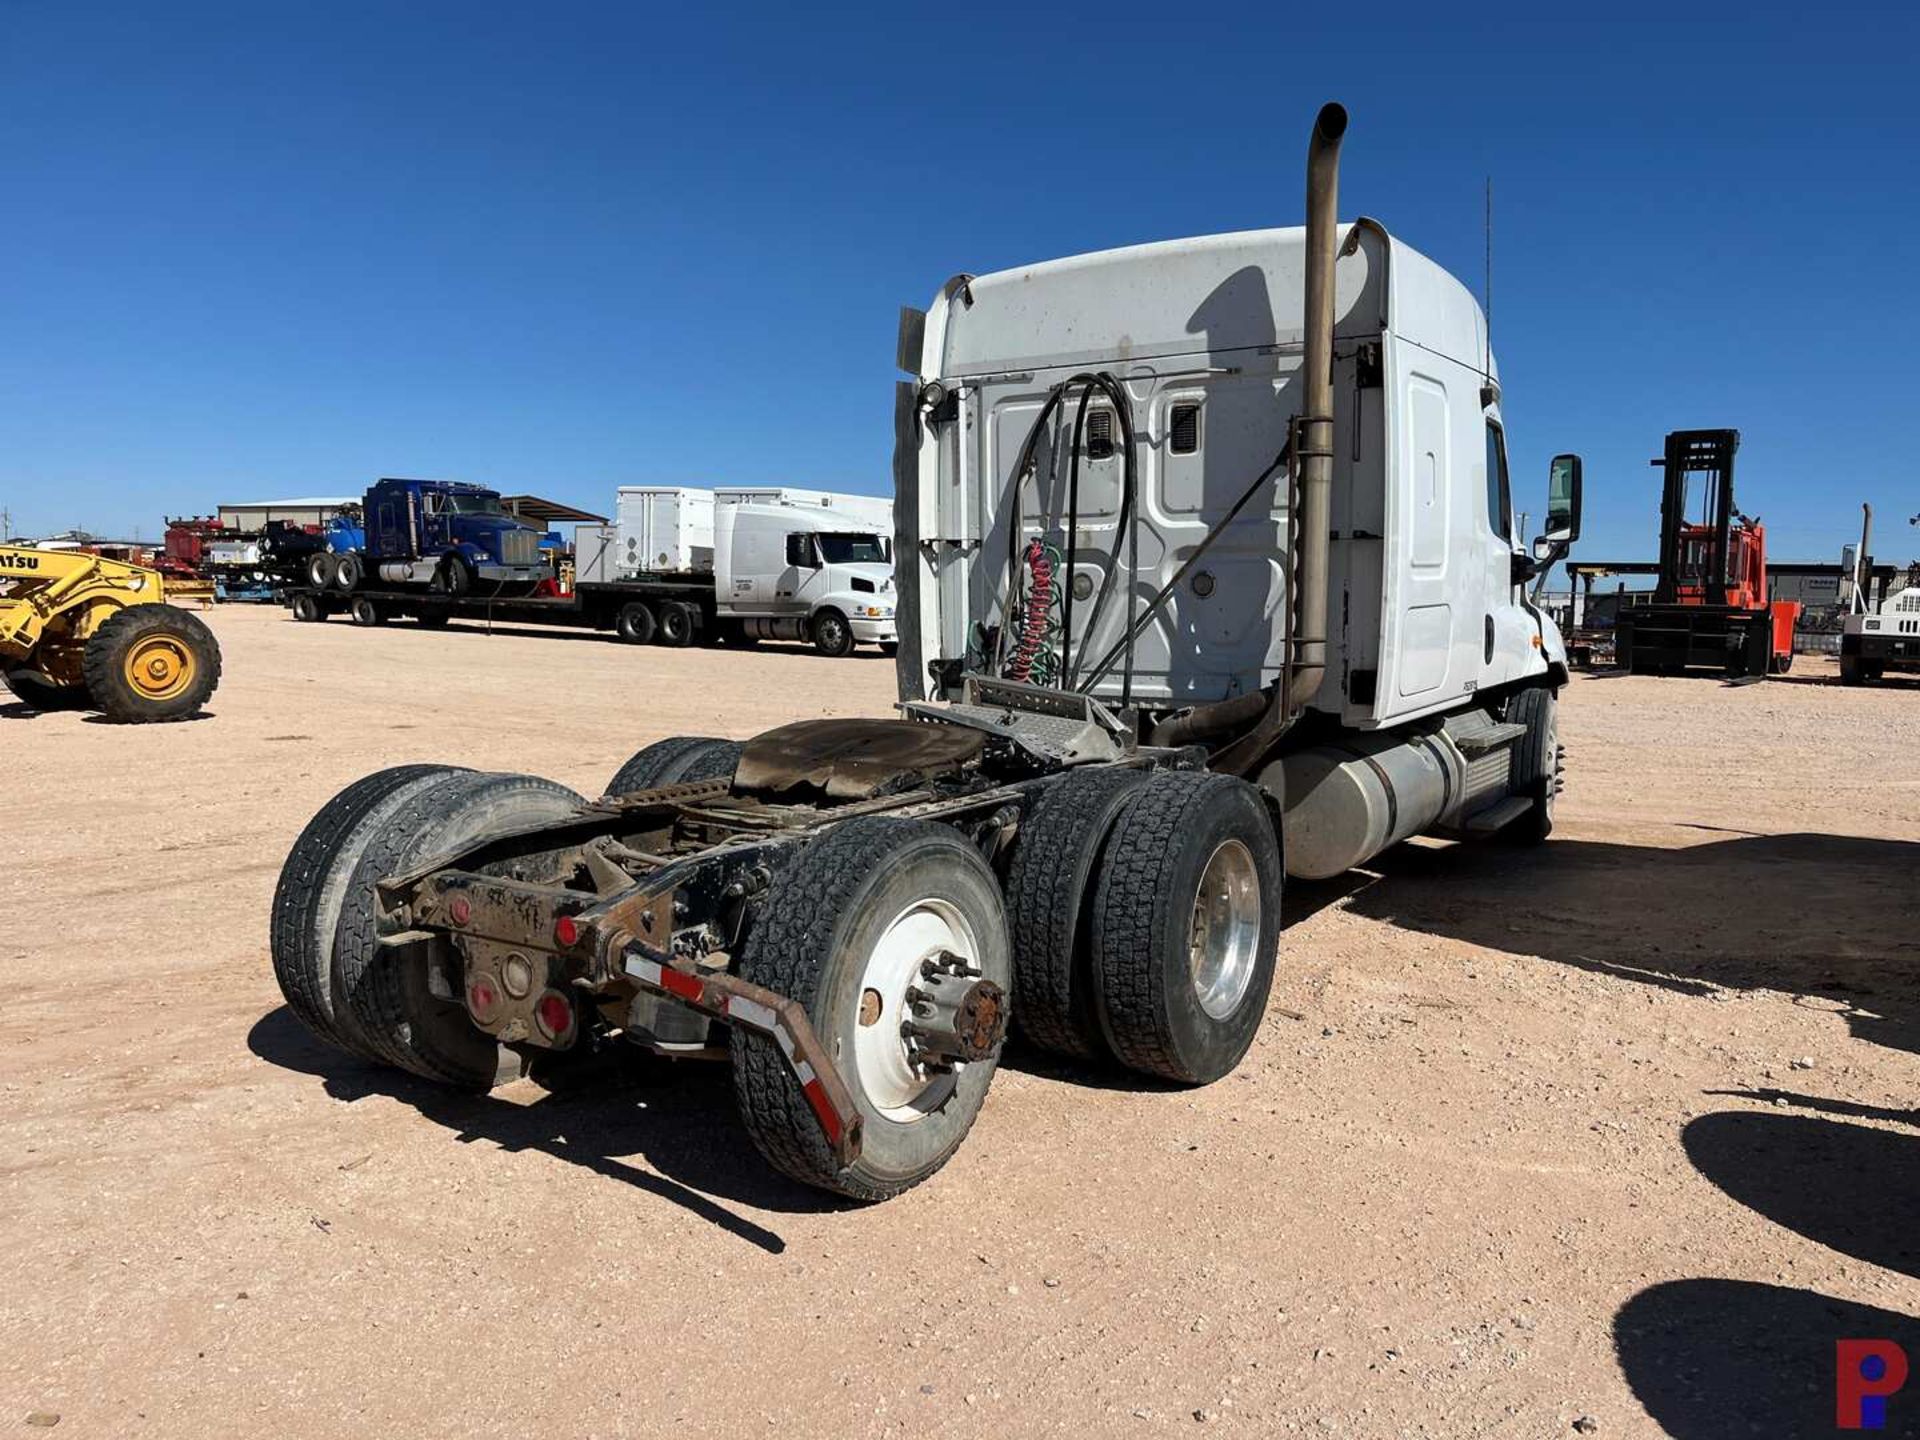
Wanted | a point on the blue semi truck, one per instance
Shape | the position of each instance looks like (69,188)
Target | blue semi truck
(437,535)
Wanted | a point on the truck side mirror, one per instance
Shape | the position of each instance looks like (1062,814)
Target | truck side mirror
(1563,500)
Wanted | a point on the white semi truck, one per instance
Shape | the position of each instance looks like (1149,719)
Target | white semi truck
(1207,574)
(785,564)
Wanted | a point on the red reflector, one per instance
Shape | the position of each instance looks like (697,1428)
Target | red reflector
(565,932)
(554,1014)
(460,909)
(482,998)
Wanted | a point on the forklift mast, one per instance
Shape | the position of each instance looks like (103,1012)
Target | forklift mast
(1693,555)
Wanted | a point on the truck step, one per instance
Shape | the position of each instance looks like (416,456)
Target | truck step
(1498,816)
(1495,737)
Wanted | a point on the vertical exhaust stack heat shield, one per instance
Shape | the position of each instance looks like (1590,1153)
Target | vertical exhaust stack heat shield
(1310,521)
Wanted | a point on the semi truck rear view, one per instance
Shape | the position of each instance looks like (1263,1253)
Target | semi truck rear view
(1207,573)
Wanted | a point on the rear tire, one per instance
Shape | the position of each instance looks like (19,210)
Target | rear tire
(1186,924)
(851,914)
(313,881)
(635,623)
(676,624)
(386,993)
(1049,894)
(674,761)
(1534,763)
(151,664)
(832,635)
(35,691)
(320,568)
(348,571)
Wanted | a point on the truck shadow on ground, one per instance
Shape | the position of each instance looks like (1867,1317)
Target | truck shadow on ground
(1850,1187)
(1715,1357)
(1711,1358)
(679,1117)
(1833,919)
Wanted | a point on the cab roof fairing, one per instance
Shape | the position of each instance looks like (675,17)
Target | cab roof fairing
(1205,296)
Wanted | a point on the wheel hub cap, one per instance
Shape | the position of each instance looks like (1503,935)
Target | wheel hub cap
(159,667)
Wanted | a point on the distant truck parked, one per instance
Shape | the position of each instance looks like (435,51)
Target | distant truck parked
(680,565)
(439,535)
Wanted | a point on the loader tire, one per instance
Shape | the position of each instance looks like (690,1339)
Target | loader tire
(151,664)
(1186,925)
(1049,894)
(34,690)
(1534,764)
(306,902)
(675,761)
(385,995)
(872,890)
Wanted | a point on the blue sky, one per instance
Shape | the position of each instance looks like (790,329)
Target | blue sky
(279,249)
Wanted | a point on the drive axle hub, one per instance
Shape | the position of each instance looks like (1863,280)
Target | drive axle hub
(954,1016)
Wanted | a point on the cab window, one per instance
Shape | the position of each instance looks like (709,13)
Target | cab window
(1499,496)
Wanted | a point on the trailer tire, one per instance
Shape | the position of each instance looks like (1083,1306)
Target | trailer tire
(1188,839)
(320,567)
(306,901)
(1534,763)
(151,663)
(34,690)
(307,609)
(1049,896)
(365,612)
(432,619)
(840,917)
(386,993)
(635,623)
(676,624)
(348,571)
(675,761)
(831,634)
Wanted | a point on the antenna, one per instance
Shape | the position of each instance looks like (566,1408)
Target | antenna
(1487,296)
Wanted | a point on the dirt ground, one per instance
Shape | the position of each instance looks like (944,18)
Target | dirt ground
(1615,1137)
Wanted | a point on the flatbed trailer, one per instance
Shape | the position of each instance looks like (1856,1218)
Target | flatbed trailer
(673,610)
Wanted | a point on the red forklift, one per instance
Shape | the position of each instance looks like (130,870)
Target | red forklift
(1709,609)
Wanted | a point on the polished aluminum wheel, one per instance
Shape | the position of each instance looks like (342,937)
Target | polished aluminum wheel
(1226,929)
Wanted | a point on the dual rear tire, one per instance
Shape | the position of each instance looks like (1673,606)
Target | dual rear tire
(380,1004)
(1139,920)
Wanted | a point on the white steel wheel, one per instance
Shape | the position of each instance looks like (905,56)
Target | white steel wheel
(1226,929)
(887,933)
(884,1068)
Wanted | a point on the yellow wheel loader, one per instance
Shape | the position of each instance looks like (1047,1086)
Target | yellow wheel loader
(80,630)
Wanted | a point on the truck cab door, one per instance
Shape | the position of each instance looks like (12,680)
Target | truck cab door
(1508,632)
(804,577)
